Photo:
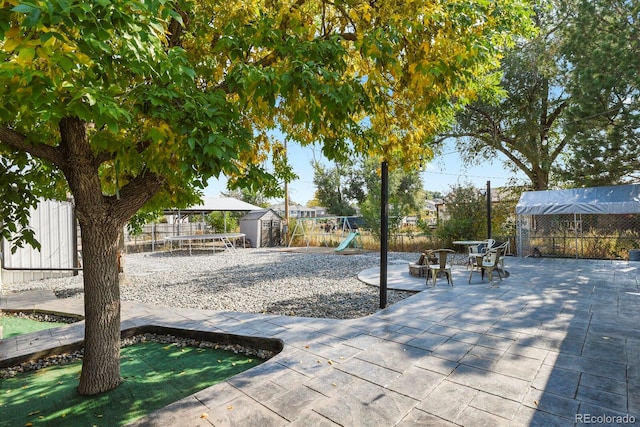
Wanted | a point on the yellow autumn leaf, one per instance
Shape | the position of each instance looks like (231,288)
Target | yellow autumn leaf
(83,59)
(26,55)
(11,44)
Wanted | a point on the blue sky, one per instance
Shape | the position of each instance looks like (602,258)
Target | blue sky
(442,173)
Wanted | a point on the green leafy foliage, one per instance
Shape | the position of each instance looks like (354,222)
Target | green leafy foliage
(602,50)
(466,212)
(331,188)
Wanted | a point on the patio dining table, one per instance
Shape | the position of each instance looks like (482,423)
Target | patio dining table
(468,242)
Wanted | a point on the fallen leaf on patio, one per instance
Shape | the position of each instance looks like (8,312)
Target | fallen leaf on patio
(330,362)
(204,415)
(230,407)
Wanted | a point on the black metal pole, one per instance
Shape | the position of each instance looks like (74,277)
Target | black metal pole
(384,232)
(488,209)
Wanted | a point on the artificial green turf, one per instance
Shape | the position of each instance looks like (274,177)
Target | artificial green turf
(154,376)
(15,325)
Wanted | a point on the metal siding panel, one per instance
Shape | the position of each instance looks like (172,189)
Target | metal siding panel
(52,222)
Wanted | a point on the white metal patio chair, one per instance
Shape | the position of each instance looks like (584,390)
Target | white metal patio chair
(441,266)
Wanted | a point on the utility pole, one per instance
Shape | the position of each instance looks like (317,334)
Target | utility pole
(286,203)
(488,209)
(384,232)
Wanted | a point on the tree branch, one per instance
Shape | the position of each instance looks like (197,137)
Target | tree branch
(21,143)
(135,194)
(556,151)
(554,115)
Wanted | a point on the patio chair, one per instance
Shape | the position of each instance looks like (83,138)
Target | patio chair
(504,248)
(481,248)
(489,264)
(441,266)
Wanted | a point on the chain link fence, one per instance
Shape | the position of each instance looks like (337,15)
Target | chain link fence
(593,236)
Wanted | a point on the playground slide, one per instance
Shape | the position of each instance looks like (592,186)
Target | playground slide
(345,242)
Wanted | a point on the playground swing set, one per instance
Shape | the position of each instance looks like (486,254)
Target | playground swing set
(325,230)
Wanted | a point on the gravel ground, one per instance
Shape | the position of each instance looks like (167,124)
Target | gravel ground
(303,283)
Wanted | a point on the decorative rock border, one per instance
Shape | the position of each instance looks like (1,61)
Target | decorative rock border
(262,348)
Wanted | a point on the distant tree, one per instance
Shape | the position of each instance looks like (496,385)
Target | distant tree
(601,47)
(431,195)
(466,214)
(526,125)
(224,222)
(331,183)
(571,110)
(406,195)
(314,202)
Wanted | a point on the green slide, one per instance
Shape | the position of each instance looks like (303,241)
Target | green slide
(345,242)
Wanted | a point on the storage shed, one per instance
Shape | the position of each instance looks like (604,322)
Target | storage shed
(263,228)
(595,222)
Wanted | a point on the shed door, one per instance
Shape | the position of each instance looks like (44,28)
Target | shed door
(270,235)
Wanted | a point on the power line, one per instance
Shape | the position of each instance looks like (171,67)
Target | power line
(467,175)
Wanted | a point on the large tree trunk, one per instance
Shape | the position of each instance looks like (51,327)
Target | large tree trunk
(541,179)
(101,365)
(99,226)
(101,219)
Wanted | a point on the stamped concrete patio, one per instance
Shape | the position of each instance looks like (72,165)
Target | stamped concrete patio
(557,343)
